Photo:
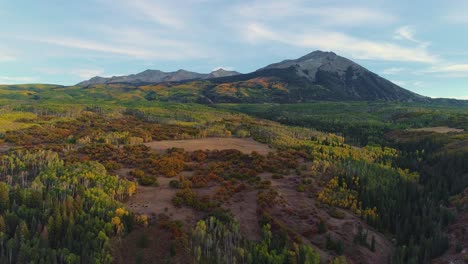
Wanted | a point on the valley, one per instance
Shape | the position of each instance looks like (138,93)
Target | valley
(264,167)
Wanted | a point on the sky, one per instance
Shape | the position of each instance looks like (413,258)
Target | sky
(419,45)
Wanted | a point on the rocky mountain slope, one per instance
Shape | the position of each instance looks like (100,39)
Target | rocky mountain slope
(315,76)
(156,76)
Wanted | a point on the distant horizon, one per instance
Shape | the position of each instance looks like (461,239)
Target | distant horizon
(418,45)
(213,70)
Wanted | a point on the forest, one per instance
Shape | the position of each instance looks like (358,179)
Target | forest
(349,182)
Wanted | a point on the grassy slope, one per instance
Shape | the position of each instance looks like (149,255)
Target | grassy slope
(331,116)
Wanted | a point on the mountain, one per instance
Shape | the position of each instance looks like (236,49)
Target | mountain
(221,73)
(324,76)
(344,78)
(156,76)
(316,76)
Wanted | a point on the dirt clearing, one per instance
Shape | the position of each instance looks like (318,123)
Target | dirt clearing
(440,129)
(156,200)
(244,145)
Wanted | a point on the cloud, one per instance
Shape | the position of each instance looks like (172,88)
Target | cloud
(151,40)
(448,71)
(399,83)
(418,84)
(155,11)
(6,57)
(87,73)
(458,19)
(80,72)
(94,46)
(339,42)
(407,33)
(328,15)
(454,68)
(15,79)
(413,84)
(457,16)
(138,52)
(393,70)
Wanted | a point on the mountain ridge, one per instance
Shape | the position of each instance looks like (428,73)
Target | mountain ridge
(157,76)
(318,75)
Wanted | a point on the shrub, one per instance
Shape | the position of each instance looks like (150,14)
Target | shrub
(175,184)
(301,188)
(137,173)
(336,213)
(148,180)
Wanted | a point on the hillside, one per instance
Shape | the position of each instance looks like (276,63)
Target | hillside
(365,182)
(315,76)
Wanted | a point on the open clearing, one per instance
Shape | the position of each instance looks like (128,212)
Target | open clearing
(440,129)
(244,145)
(156,200)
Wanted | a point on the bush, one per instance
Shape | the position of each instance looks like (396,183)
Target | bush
(137,173)
(300,188)
(336,246)
(148,180)
(175,184)
(336,213)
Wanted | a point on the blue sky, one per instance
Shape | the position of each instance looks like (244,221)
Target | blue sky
(420,45)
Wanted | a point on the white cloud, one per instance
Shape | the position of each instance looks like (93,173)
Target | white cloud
(6,57)
(138,52)
(341,43)
(407,33)
(457,16)
(413,84)
(155,11)
(94,46)
(418,84)
(329,15)
(393,70)
(399,83)
(447,70)
(87,73)
(150,40)
(15,79)
(80,72)
(454,68)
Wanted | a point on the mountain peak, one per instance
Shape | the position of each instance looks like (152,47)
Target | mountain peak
(318,54)
(319,75)
(157,76)
(221,73)
(308,65)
